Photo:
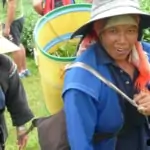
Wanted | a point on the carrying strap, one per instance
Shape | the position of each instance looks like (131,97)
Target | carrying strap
(101,78)
(108,83)
(97,136)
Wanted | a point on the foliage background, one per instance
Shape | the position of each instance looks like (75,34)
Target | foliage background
(145,4)
(32,84)
(32,17)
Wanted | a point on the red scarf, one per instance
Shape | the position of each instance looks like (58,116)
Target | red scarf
(50,5)
(141,62)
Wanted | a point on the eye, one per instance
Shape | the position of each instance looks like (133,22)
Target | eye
(132,30)
(112,30)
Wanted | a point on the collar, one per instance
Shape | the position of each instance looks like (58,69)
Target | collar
(102,56)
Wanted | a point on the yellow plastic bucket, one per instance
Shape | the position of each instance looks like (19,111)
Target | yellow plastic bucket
(50,32)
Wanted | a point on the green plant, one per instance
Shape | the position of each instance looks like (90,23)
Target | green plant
(27,38)
(146,35)
(145,6)
(67,49)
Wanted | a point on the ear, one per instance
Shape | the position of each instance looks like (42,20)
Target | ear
(140,33)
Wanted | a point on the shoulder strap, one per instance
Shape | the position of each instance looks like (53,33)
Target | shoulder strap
(97,136)
(101,136)
(100,77)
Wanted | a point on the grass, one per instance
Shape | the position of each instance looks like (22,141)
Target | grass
(35,99)
(36,102)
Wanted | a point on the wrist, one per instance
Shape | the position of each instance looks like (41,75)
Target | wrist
(7,25)
(21,128)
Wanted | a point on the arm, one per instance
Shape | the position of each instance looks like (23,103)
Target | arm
(38,6)
(81,118)
(16,101)
(10,16)
(15,98)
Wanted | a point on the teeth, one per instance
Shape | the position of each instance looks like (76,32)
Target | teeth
(119,49)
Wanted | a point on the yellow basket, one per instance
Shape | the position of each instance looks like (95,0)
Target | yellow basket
(51,31)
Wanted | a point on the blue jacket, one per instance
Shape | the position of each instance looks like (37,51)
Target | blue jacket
(90,105)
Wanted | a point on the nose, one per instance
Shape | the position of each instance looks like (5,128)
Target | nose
(122,39)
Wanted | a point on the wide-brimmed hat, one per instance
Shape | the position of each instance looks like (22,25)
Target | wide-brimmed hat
(108,8)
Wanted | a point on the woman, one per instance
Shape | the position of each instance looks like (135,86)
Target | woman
(91,106)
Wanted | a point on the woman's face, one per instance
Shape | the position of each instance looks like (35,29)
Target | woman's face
(118,40)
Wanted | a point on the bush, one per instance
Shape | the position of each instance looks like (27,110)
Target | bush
(27,37)
(31,18)
(145,5)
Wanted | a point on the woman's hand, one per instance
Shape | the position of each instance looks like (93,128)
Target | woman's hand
(22,138)
(143,101)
